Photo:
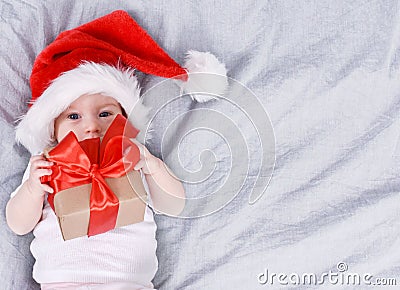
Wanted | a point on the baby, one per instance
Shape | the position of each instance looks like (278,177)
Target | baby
(80,83)
(131,250)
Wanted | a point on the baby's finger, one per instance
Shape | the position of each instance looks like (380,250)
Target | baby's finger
(139,145)
(139,165)
(47,188)
(42,172)
(42,164)
(37,157)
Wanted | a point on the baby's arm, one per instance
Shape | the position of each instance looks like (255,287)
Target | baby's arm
(24,210)
(167,192)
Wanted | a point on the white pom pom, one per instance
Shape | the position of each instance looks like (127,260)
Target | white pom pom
(206,76)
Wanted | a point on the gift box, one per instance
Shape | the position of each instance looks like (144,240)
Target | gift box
(95,186)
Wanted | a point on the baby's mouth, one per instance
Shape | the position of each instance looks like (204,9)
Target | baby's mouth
(94,136)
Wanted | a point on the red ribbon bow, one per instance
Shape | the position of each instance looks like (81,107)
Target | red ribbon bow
(91,161)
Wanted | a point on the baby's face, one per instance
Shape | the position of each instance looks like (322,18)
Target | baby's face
(89,116)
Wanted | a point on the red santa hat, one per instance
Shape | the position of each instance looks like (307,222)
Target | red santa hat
(100,57)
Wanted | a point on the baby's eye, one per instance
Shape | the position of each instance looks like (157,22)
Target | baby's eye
(73,116)
(104,114)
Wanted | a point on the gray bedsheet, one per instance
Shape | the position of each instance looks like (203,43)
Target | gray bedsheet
(327,76)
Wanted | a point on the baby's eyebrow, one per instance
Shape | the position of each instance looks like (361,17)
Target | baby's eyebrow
(69,111)
(110,104)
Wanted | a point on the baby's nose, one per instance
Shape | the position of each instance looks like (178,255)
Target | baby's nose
(92,125)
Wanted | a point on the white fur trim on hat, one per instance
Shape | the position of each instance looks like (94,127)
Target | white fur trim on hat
(206,76)
(36,129)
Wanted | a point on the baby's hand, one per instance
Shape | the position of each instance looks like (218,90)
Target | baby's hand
(148,162)
(39,168)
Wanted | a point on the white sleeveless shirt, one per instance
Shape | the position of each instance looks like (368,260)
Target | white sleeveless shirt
(126,254)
